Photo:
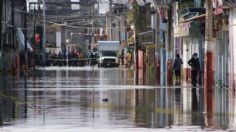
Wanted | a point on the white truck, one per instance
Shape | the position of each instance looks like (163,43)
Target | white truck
(108,53)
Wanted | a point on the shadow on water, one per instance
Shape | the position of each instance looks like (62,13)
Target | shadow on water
(7,100)
(13,99)
(195,107)
(222,112)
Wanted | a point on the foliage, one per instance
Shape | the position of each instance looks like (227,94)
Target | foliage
(130,17)
(140,16)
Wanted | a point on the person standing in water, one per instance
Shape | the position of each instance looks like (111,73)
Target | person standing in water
(195,67)
(177,69)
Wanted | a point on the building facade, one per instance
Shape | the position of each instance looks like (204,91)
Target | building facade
(232,48)
(13,17)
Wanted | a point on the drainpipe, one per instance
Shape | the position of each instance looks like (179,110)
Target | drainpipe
(208,69)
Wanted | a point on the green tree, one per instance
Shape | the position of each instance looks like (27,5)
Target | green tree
(140,16)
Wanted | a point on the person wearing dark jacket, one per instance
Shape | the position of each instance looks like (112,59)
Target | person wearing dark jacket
(195,67)
(177,68)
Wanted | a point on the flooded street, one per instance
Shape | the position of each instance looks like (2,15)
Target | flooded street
(104,99)
(117,65)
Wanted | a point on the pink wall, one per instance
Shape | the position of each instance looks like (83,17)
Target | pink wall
(140,59)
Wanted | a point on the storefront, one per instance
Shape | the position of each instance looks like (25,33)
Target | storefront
(146,58)
(189,39)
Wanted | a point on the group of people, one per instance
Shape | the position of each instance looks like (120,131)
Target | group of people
(195,68)
(63,58)
(126,59)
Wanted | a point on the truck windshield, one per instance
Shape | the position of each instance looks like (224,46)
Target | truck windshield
(108,53)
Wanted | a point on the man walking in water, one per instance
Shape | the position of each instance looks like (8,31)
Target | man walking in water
(177,68)
(195,67)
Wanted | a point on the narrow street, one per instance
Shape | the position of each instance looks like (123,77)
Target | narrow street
(117,65)
(105,99)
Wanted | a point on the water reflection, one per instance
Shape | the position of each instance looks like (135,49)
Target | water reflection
(12,100)
(178,118)
(222,112)
(74,97)
(195,107)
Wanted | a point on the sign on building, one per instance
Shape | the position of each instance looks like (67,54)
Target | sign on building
(218,6)
(182,29)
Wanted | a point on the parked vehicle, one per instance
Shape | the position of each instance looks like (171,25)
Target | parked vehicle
(108,53)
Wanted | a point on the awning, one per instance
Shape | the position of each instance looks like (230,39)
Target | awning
(21,40)
(203,16)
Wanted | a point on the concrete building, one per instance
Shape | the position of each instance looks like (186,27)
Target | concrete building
(13,15)
(189,34)
(63,19)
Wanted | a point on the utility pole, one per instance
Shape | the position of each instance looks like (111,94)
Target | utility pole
(1,41)
(25,34)
(44,34)
(169,26)
(13,36)
(34,46)
(169,47)
(136,59)
(208,68)
(92,44)
(157,47)
(1,4)
(110,16)
(1,25)
(26,57)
